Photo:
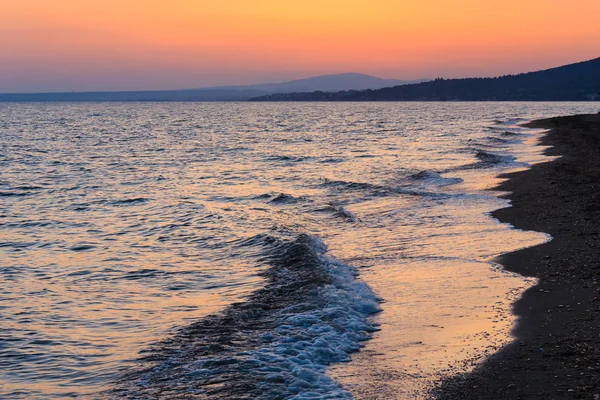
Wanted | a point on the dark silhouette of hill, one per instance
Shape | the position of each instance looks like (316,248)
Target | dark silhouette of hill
(325,83)
(574,82)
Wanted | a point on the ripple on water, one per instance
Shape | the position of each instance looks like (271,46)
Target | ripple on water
(123,224)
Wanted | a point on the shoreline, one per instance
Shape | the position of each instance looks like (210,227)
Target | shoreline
(556,351)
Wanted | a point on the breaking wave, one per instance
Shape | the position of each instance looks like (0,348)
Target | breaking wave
(338,211)
(435,179)
(284,198)
(488,158)
(279,198)
(312,312)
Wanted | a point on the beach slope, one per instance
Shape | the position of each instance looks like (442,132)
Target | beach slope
(556,354)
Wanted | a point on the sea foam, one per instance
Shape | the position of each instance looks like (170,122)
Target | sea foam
(312,312)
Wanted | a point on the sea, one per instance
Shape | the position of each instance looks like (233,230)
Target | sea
(256,251)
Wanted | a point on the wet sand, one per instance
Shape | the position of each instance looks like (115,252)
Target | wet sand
(556,354)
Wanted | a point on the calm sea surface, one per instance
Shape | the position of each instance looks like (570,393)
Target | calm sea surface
(228,250)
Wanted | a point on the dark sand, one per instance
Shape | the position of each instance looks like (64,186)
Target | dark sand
(556,354)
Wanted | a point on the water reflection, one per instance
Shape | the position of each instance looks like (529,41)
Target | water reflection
(121,222)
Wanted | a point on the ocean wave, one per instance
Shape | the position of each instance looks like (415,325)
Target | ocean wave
(433,178)
(284,198)
(338,211)
(279,198)
(513,121)
(288,158)
(331,160)
(82,247)
(503,141)
(371,189)
(349,185)
(493,158)
(312,312)
(20,191)
(486,160)
(123,202)
(14,194)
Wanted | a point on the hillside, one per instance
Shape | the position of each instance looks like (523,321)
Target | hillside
(325,83)
(574,82)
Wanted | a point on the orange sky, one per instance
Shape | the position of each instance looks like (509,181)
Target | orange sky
(52,45)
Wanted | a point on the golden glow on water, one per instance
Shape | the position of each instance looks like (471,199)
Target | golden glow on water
(447,304)
(124,222)
(445,308)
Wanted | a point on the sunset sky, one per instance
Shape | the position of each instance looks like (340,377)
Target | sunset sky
(65,45)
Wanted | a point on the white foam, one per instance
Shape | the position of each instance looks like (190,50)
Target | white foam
(290,361)
(305,343)
(432,178)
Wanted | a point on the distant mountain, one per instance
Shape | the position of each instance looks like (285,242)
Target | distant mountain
(325,83)
(155,95)
(574,82)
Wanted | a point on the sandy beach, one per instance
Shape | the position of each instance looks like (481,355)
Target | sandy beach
(556,354)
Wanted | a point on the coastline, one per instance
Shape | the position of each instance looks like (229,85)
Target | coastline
(556,352)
